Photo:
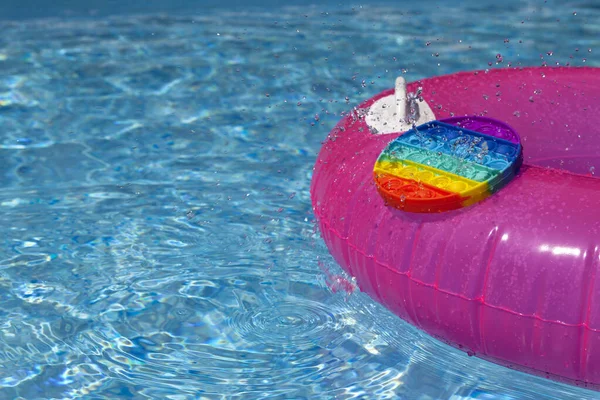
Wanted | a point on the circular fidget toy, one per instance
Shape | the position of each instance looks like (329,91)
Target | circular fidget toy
(448,164)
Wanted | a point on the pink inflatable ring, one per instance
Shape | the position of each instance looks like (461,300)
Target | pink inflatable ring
(492,244)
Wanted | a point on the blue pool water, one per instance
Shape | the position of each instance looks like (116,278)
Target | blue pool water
(157,235)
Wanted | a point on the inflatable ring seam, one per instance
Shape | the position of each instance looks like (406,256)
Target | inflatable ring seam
(476,299)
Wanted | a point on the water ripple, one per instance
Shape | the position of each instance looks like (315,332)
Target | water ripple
(294,323)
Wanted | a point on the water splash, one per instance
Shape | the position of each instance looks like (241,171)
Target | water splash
(337,282)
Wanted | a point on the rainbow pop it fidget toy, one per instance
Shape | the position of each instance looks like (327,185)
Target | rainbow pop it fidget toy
(448,164)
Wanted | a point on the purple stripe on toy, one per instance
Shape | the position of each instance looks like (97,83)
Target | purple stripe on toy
(490,127)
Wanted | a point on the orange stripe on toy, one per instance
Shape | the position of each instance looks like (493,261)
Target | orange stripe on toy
(410,195)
